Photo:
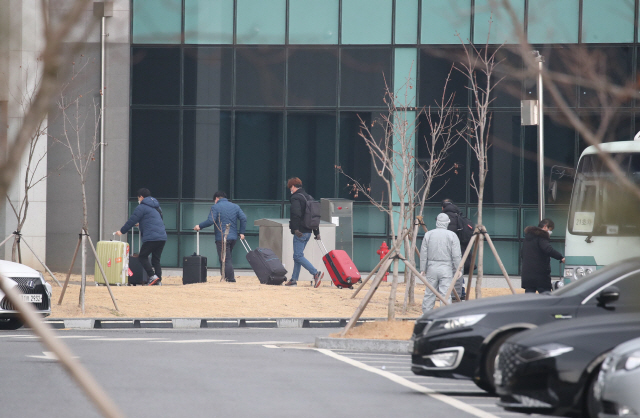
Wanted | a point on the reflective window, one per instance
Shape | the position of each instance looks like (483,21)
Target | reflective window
(355,160)
(452,184)
(613,63)
(435,66)
(206,153)
(363,74)
(366,21)
(208,21)
(607,21)
(500,222)
(369,220)
(406,26)
(169,215)
(559,216)
(192,213)
(261,21)
(364,253)
(404,76)
(509,252)
(502,28)
(155,151)
(507,88)
(619,127)
(442,19)
(207,249)
(258,162)
(559,156)
(558,59)
(170,252)
(255,212)
(208,76)
(155,76)
(503,178)
(260,76)
(553,21)
(157,22)
(311,151)
(313,22)
(319,65)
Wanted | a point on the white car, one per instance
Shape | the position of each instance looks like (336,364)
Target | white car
(34,290)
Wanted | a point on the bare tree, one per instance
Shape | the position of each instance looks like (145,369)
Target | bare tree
(393,158)
(36,154)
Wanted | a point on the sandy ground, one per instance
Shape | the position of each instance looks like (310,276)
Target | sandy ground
(246,298)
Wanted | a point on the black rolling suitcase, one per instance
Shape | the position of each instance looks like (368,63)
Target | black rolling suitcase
(266,264)
(138,275)
(194,267)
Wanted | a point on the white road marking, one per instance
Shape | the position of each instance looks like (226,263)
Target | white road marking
(264,342)
(48,355)
(411,385)
(123,339)
(190,341)
(270,346)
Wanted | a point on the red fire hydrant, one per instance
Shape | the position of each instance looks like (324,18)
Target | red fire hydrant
(384,250)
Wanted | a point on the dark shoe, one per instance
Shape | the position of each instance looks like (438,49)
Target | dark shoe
(291,283)
(154,280)
(317,278)
(231,281)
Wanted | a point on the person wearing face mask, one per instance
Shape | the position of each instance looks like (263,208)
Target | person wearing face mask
(536,257)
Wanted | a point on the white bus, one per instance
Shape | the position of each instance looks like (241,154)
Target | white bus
(604,217)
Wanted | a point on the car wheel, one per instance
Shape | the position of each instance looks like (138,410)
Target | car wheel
(485,382)
(10,324)
(592,406)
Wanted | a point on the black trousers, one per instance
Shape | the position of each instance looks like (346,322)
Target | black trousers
(536,289)
(155,249)
(229,274)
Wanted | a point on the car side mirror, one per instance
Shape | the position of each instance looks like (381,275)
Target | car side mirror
(608,295)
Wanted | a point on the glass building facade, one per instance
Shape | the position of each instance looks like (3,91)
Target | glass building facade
(239,95)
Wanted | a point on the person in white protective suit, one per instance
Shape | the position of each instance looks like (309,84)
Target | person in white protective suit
(439,259)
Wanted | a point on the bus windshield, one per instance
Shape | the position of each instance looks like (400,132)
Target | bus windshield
(600,206)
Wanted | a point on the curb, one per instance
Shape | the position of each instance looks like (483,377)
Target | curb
(386,346)
(194,323)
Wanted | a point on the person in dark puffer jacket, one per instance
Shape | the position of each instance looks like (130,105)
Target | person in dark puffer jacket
(301,234)
(153,235)
(222,213)
(536,257)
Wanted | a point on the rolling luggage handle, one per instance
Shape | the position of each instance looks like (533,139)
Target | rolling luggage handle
(246,246)
(197,243)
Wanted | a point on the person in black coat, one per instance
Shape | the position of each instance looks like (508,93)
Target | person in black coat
(536,257)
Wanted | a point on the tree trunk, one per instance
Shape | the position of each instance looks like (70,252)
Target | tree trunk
(392,295)
(83,282)
(481,242)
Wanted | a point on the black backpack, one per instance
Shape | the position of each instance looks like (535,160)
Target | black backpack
(464,230)
(311,216)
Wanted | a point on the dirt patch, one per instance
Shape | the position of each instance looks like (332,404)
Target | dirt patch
(380,330)
(246,298)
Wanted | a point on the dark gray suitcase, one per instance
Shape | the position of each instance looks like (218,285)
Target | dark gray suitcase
(194,267)
(138,275)
(266,264)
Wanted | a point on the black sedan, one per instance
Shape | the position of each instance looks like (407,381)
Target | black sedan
(462,340)
(553,369)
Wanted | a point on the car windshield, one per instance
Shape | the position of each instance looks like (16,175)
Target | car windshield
(592,281)
(600,205)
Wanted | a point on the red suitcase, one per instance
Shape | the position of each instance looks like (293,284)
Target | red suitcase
(340,267)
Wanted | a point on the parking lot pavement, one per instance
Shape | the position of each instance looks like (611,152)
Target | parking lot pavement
(463,391)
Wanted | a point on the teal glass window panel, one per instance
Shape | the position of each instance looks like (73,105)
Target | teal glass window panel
(287,208)
(369,220)
(509,252)
(553,21)
(191,214)
(207,248)
(170,256)
(500,222)
(502,28)
(605,21)
(313,22)
(261,22)
(208,21)
(157,22)
(255,212)
(442,19)
(404,76)
(366,21)
(364,253)
(557,215)
(429,215)
(406,22)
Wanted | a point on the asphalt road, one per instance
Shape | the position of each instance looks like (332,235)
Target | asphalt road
(225,373)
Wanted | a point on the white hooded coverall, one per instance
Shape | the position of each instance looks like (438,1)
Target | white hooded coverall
(439,258)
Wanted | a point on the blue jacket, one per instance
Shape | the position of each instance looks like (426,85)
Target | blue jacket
(149,220)
(223,213)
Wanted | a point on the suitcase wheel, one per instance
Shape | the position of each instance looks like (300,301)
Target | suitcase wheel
(360,281)
(338,287)
(349,280)
(351,287)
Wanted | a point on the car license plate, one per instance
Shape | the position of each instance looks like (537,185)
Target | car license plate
(32,298)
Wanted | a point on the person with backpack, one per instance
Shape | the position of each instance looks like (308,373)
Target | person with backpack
(463,228)
(304,219)
(148,216)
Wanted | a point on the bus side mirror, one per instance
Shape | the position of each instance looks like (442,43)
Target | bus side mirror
(553,190)
(608,295)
